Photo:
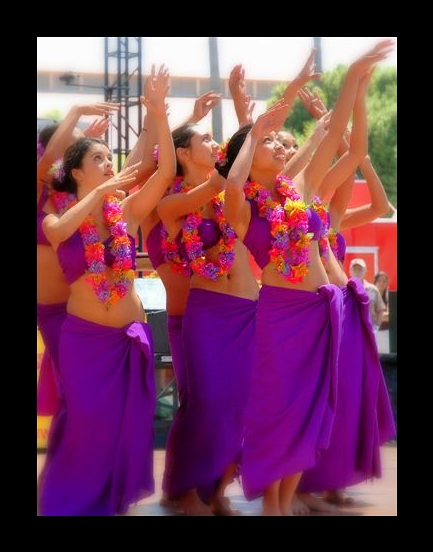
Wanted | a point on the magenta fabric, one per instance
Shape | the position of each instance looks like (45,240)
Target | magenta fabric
(294,385)
(100,452)
(48,395)
(174,330)
(50,319)
(153,246)
(363,419)
(72,257)
(41,239)
(207,432)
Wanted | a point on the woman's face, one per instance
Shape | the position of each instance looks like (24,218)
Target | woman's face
(382,282)
(96,166)
(289,143)
(269,153)
(202,150)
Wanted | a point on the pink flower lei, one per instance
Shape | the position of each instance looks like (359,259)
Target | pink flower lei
(194,246)
(97,276)
(318,206)
(289,227)
(333,242)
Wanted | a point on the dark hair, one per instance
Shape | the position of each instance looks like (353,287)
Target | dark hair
(182,139)
(233,147)
(46,134)
(383,293)
(73,159)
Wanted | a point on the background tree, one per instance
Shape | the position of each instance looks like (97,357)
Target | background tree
(382,119)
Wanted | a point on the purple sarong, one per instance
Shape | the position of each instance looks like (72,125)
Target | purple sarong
(353,454)
(293,393)
(207,431)
(48,396)
(100,454)
(49,319)
(174,330)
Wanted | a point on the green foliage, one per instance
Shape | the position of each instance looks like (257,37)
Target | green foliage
(382,118)
(54,114)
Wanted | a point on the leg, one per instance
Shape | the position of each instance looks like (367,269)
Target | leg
(338,496)
(287,492)
(271,502)
(220,504)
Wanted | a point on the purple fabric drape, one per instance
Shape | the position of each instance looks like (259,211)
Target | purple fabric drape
(100,452)
(363,419)
(206,434)
(49,319)
(293,394)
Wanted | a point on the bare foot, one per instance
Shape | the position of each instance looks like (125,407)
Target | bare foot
(221,506)
(315,503)
(339,497)
(187,504)
(271,512)
(298,507)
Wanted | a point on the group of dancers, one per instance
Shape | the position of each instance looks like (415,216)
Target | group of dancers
(279,384)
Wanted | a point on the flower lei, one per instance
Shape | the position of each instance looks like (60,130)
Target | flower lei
(318,206)
(39,149)
(333,242)
(97,277)
(289,227)
(194,246)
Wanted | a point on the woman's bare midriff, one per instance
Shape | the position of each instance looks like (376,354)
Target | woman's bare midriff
(52,287)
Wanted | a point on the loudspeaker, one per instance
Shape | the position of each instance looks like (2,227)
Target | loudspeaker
(157,321)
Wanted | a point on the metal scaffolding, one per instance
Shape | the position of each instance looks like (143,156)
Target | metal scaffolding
(123,59)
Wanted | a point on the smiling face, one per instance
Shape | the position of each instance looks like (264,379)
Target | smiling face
(196,148)
(269,154)
(289,143)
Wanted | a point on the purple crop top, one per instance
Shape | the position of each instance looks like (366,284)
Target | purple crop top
(41,239)
(258,238)
(341,247)
(153,246)
(72,259)
(209,232)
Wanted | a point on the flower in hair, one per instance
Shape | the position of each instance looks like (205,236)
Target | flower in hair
(39,149)
(57,171)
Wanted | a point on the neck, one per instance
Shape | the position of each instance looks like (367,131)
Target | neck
(196,175)
(266,178)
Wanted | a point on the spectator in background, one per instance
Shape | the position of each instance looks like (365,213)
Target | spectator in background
(358,269)
(381,282)
(382,336)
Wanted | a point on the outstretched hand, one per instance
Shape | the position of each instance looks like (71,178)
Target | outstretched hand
(379,52)
(204,103)
(272,120)
(101,108)
(312,103)
(156,89)
(307,72)
(97,128)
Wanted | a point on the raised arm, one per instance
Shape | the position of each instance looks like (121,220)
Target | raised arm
(63,136)
(174,207)
(235,207)
(139,205)
(358,144)
(59,228)
(143,149)
(379,205)
(97,128)
(323,156)
(303,155)
(242,102)
(202,105)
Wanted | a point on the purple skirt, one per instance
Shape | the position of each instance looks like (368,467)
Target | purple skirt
(49,319)
(293,394)
(207,432)
(174,330)
(100,452)
(363,419)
